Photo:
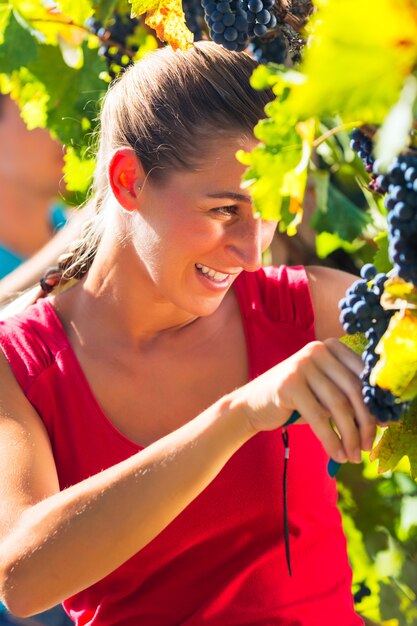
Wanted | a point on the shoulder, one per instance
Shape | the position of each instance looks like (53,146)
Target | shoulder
(28,342)
(327,287)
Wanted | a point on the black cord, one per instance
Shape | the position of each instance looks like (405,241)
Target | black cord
(285,439)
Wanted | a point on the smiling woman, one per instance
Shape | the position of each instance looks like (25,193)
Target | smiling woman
(142,449)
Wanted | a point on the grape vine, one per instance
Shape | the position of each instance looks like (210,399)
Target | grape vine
(362,312)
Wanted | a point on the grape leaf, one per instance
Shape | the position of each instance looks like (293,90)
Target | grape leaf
(166,17)
(276,77)
(326,243)
(381,258)
(103,9)
(73,94)
(397,441)
(295,181)
(399,293)
(30,95)
(78,173)
(339,216)
(18,48)
(77,10)
(352,69)
(396,369)
(47,23)
(277,171)
(356,342)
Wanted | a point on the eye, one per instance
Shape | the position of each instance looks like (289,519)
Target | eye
(227,211)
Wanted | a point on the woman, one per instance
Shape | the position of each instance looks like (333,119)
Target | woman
(142,457)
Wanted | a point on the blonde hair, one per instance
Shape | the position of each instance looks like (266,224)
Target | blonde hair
(167,107)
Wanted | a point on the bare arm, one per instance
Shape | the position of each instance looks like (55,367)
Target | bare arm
(327,287)
(54,544)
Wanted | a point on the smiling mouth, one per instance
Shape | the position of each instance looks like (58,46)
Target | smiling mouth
(217,277)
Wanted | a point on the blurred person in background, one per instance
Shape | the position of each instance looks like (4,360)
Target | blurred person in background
(31,180)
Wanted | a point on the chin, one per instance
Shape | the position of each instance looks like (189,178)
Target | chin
(204,309)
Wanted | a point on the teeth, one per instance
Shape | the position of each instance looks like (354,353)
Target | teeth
(216,276)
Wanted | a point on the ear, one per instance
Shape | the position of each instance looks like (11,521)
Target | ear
(126,177)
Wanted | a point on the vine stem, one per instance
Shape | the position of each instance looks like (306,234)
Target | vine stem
(334,131)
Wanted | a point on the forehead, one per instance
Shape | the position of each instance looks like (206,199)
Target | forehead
(219,155)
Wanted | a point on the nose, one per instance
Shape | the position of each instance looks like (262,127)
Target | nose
(249,240)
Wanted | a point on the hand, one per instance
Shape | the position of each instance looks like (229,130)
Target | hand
(321,381)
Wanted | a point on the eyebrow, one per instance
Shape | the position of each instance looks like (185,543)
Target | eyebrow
(238,197)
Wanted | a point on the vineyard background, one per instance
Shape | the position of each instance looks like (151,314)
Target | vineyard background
(336,65)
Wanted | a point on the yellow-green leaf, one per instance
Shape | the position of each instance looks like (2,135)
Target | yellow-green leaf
(396,442)
(397,366)
(78,10)
(356,342)
(5,11)
(358,56)
(78,173)
(48,23)
(295,181)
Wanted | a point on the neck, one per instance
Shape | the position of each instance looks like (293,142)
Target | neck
(119,296)
(24,218)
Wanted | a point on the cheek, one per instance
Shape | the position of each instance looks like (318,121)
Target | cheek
(268,232)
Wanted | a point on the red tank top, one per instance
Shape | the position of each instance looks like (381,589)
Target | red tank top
(222,561)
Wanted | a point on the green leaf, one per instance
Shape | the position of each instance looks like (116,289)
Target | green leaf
(339,216)
(381,259)
(104,9)
(326,243)
(74,93)
(18,49)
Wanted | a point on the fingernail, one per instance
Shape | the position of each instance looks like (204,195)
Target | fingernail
(357,456)
(340,456)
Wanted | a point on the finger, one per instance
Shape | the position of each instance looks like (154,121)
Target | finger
(348,381)
(344,354)
(337,404)
(318,417)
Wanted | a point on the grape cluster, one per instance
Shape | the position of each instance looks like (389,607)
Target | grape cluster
(361,311)
(260,17)
(114,47)
(401,203)
(400,186)
(363,145)
(193,13)
(274,50)
(362,593)
(228,23)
